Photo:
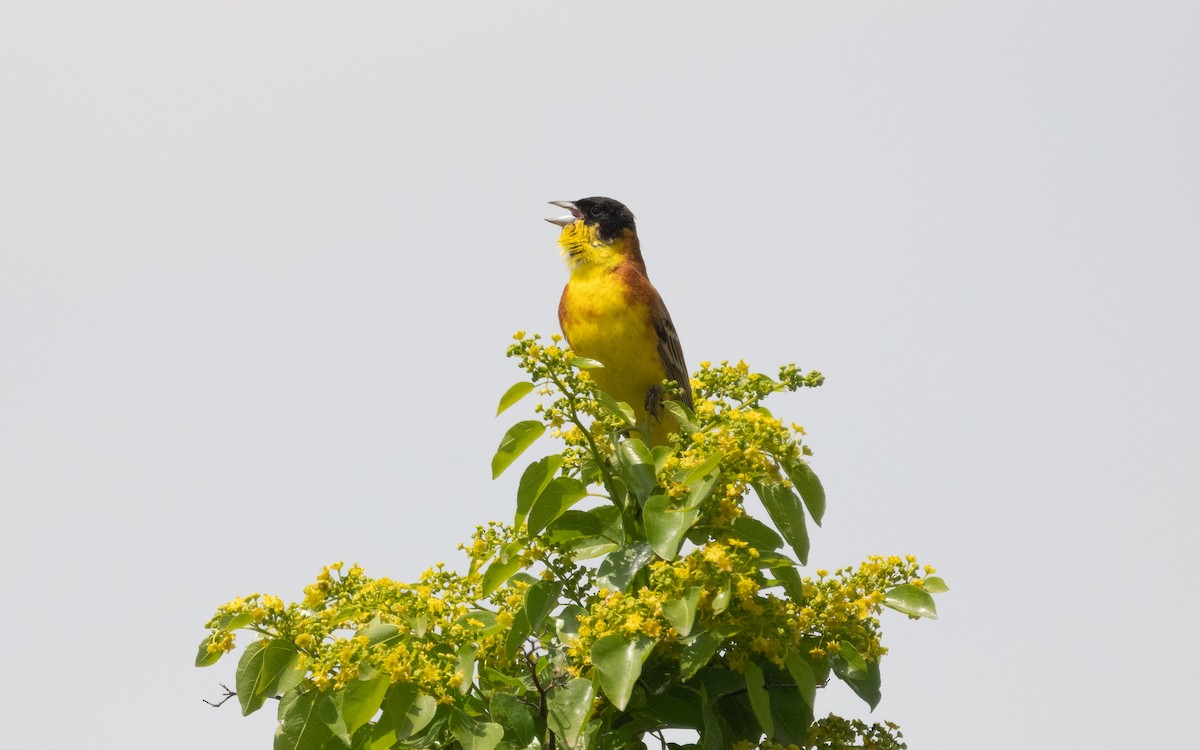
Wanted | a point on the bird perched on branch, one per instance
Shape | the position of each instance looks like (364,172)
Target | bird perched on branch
(610,312)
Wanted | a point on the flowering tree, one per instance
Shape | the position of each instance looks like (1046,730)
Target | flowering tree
(631,594)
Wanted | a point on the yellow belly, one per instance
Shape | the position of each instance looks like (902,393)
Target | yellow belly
(604,325)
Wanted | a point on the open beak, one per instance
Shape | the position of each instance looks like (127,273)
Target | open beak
(563,221)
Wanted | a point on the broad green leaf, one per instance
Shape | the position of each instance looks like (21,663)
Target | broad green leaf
(362,701)
(637,467)
(520,729)
(700,490)
(586,363)
(618,409)
(329,711)
(681,612)
(519,437)
(666,526)
(566,623)
(808,486)
(802,674)
(713,737)
(406,711)
(792,716)
(618,662)
(683,416)
(535,478)
(514,394)
(854,664)
(698,651)
(757,533)
(784,508)
(619,568)
(720,600)
(935,585)
(700,470)
(381,632)
(568,708)
(789,578)
(760,704)
(603,522)
(911,600)
(474,735)
(502,568)
(864,682)
(266,669)
(300,726)
(540,599)
(233,622)
(558,496)
(466,665)
(206,658)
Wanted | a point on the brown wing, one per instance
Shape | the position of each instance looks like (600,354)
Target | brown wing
(671,352)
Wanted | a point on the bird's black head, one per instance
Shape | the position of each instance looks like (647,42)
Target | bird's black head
(609,216)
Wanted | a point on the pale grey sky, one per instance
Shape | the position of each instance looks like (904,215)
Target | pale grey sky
(259,263)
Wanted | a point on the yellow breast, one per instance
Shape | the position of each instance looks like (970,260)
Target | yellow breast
(602,322)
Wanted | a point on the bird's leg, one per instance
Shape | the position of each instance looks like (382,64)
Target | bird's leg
(654,399)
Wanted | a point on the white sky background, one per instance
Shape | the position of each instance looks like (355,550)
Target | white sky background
(259,263)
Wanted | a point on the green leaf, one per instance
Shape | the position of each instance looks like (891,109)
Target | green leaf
(637,466)
(862,677)
(568,708)
(698,651)
(808,486)
(381,632)
(666,526)
(466,665)
(540,599)
(713,736)
(514,394)
(519,727)
(720,600)
(266,669)
(757,533)
(789,578)
(760,704)
(233,622)
(618,409)
(406,711)
(329,711)
(802,675)
(792,716)
(535,478)
(619,663)
(619,568)
(519,437)
(362,701)
(700,470)
(681,612)
(784,508)
(502,567)
(935,585)
(300,727)
(586,363)
(474,735)
(205,658)
(853,663)
(683,416)
(555,499)
(911,600)
(700,490)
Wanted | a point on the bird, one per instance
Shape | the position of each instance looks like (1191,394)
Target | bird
(610,312)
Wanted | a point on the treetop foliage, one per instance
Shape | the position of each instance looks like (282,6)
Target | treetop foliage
(632,593)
